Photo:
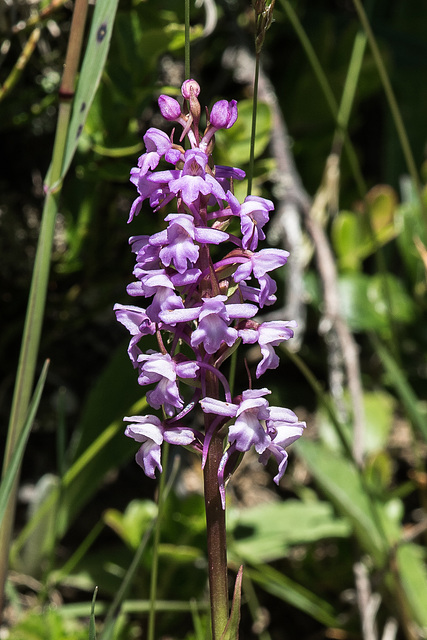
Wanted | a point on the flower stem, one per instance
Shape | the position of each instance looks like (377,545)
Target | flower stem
(216,538)
(215,523)
(187,39)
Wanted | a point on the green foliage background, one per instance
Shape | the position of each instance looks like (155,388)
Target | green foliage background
(90,505)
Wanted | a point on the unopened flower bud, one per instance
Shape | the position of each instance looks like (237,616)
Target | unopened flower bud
(169,107)
(223,114)
(188,86)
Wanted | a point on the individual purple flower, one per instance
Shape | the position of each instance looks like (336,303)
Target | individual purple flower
(158,284)
(254,214)
(192,181)
(151,432)
(178,240)
(223,114)
(161,369)
(268,335)
(283,428)
(157,145)
(134,319)
(259,264)
(190,87)
(214,318)
(137,323)
(169,107)
(157,194)
(247,430)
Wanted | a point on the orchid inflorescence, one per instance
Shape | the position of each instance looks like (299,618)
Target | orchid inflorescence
(204,304)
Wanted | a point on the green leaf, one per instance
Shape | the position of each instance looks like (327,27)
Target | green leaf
(179,554)
(378,409)
(375,527)
(382,202)
(133,523)
(15,462)
(90,74)
(266,532)
(231,631)
(413,576)
(411,225)
(47,624)
(349,238)
(397,378)
(369,302)
(280,586)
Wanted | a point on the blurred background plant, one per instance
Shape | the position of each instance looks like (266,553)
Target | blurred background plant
(338,551)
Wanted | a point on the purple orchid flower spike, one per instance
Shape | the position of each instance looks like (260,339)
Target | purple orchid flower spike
(201,281)
(201,307)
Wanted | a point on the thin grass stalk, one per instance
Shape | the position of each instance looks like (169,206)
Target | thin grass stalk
(253,132)
(349,91)
(37,298)
(119,599)
(327,92)
(16,73)
(86,458)
(155,563)
(392,102)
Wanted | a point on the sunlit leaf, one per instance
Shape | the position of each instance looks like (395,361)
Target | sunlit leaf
(280,586)
(231,631)
(343,485)
(413,574)
(267,531)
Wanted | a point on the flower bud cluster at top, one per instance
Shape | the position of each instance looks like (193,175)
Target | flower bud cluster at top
(205,304)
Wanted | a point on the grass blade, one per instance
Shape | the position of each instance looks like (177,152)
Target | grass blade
(90,74)
(92,628)
(15,462)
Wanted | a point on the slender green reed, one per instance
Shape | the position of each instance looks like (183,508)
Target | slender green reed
(37,298)
(392,102)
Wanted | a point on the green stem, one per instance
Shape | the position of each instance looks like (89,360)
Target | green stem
(37,298)
(349,92)
(253,132)
(156,542)
(187,39)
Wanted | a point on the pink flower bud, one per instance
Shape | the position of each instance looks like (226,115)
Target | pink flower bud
(189,85)
(223,114)
(169,107)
